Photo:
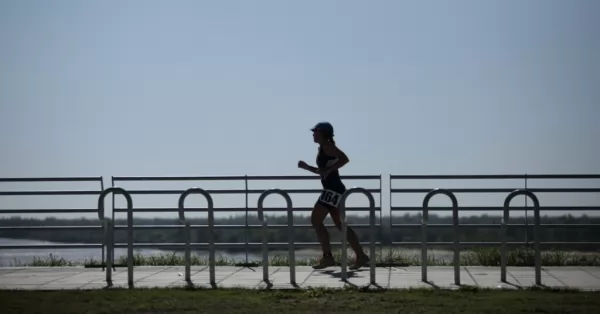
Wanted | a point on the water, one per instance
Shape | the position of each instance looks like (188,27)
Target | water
(22,256)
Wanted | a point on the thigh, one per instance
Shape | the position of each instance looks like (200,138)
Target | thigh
(319,213)
(329,200)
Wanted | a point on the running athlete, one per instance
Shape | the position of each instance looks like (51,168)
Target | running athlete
(329,159)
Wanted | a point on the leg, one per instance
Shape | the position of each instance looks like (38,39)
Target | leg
(352,237)
(317,217)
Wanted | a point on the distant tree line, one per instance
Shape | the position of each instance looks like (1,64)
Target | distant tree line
(241,235)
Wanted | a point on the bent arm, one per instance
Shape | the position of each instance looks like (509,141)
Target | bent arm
(312,169)
(342,159)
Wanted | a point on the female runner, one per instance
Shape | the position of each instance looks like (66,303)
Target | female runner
(329,159)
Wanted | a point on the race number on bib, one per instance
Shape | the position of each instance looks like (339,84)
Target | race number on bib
(330,197)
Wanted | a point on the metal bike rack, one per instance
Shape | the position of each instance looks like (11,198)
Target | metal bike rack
(372,257)
(211,235)
(455,229)
(108,225)
(536,234)
(291,248)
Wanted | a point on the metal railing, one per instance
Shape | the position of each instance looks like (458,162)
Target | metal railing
(457,227)
(247,209)
(265,244)
(108,223)
(344,260)
(108,235)
(61,192)
(188,233)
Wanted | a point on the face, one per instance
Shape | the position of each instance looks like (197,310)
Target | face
(317,136)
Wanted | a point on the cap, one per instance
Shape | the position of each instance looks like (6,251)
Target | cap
(324,127)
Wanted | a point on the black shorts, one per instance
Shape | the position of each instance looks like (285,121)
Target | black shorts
(330,198)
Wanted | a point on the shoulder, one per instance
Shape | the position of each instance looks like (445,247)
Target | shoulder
(330,148)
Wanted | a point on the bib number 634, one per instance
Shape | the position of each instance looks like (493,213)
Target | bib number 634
(330,198)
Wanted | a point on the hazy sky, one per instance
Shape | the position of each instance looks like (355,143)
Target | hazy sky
(116,88)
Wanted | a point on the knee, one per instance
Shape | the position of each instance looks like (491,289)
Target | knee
(315,221)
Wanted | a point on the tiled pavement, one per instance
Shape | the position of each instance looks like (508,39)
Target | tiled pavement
(55,278)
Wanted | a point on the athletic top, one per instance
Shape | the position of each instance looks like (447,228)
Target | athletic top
(333,181)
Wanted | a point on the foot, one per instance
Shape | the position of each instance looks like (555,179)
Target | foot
(360,261)
(324,262)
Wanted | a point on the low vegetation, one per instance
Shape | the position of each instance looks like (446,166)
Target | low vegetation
(180,300)
(387,257)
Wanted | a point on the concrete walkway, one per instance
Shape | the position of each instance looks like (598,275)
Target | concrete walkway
(55,278)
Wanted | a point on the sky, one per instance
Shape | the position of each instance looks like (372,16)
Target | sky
(209,88)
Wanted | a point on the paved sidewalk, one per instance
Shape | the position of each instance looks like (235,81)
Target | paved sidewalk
(55,278)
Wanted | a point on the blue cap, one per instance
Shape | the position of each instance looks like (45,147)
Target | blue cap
(324,127)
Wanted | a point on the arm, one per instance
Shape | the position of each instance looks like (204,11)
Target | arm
(305,166)
(342,159)
(312,169)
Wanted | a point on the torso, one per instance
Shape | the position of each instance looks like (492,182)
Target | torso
(332,181)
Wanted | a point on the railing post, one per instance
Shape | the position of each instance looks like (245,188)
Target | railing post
(109,233)
(291,246)
(424,221)
(265,245)
(211,237)
(104,245)
(455,229)
(503,237)
(372,257)
(536,232)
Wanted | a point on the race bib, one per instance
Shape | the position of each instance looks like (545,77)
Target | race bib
(330,197)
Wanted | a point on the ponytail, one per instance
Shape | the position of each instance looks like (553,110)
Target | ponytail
(331,140)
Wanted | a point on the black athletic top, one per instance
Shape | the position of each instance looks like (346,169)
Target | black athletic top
(332,181)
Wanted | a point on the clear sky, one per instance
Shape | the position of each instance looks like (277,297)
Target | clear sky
(117,88)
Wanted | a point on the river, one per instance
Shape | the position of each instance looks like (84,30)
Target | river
(12,257)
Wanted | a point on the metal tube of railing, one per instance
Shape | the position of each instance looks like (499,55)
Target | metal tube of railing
(265,246)
(103,261)
(290,228)
(112,183)
(211,218)
(246,230)
(537,253)
(342,206)
(455,227)
(503,238)
(108,233)
(424,220)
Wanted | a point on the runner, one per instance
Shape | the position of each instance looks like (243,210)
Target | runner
(329,159)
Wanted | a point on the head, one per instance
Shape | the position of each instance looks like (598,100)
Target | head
(323,132)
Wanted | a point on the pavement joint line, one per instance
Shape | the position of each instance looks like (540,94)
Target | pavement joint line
(62,277)
(191,274)
(588,272)
(306,279)
(514,278)
(153,274)
(551,275)
(226,277)
(470,275)
(89,282)
(270,281)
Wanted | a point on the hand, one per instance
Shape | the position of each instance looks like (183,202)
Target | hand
(302,165)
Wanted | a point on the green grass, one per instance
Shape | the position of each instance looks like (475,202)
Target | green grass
(479,257)
(467,301)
